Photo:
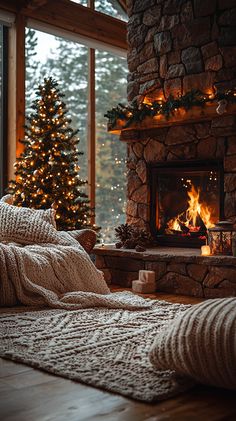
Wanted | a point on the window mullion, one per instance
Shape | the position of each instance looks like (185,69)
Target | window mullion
(91,130)
(16,91)
(4,105)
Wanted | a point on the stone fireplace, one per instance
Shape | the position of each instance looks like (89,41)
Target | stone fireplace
(187,151)
(176,46)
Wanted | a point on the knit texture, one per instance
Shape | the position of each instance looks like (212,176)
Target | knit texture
(101,347)
(86,237)
(27,226)
(201,344)
(58,276)
(8,198)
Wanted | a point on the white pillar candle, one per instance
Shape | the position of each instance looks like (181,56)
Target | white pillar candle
(205,251)
(147,276)
(143,287)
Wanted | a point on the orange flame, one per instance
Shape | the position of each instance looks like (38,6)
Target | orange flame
(190,217)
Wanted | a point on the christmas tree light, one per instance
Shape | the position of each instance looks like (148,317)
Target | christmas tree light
(47,172)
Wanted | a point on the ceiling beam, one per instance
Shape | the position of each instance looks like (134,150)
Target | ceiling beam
(34,4)
(72,17)
(123,4)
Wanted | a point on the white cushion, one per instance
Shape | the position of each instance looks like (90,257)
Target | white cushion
(8,198)
(27,226)
(201,344)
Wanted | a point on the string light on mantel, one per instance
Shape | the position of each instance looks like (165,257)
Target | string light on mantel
(137,112)
(47,172)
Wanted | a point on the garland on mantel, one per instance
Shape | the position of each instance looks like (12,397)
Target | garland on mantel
(136,112)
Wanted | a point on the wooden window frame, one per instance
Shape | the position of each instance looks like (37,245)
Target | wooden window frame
(3,134)
(86,25)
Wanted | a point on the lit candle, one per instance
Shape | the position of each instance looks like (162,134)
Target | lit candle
(205,251)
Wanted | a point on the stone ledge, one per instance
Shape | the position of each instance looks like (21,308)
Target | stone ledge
(166,254)
(177,270)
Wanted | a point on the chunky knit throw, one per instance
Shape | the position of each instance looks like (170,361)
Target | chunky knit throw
(58,276)
(102,347)
(41,266)
(201,344)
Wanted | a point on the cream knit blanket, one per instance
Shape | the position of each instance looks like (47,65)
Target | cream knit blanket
(58,276)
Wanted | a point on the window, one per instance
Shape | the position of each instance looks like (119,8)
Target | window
(112,8)
(3,107)
(82,2)
(111,71)
(67,62)
(108,7)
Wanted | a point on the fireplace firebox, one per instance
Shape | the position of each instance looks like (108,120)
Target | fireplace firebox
(186,199)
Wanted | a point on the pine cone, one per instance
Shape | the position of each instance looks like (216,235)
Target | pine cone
(140,248)
(129,244)
(119,245)
(123,232)
(142,237)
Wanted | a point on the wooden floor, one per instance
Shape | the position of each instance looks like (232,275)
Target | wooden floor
(32,395)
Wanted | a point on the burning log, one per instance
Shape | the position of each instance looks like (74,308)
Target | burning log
(200,224)
(183,227)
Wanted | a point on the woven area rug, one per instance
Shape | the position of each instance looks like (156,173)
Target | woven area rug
(100,347)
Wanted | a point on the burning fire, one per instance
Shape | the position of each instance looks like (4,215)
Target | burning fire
(195,218)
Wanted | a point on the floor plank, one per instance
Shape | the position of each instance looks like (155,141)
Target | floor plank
(32,395)
(7,368)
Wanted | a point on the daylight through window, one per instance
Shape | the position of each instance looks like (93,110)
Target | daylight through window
(67,61)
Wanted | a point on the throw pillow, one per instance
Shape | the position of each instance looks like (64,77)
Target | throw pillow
(27,226)
(8,198)
(201,344)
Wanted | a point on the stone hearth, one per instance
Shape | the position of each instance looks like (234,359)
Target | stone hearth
(178,271)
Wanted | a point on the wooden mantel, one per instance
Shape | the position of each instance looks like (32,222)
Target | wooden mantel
(179,117)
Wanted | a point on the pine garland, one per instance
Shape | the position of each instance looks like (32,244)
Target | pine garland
(136,112)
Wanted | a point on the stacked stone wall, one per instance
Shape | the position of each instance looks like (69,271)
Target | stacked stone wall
(215,139)
(179,45)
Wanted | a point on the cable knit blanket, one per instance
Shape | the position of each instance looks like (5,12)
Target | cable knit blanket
(58,276)
(42,266)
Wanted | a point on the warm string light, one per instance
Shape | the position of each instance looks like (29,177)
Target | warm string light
(138,111)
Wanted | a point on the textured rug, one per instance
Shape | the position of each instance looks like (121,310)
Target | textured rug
(100,347)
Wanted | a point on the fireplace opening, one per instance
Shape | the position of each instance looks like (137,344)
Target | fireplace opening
(186,200)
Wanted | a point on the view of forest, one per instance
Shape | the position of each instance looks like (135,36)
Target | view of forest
(109,7)
(67,61)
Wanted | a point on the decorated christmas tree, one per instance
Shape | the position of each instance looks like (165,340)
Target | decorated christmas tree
(47,172)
